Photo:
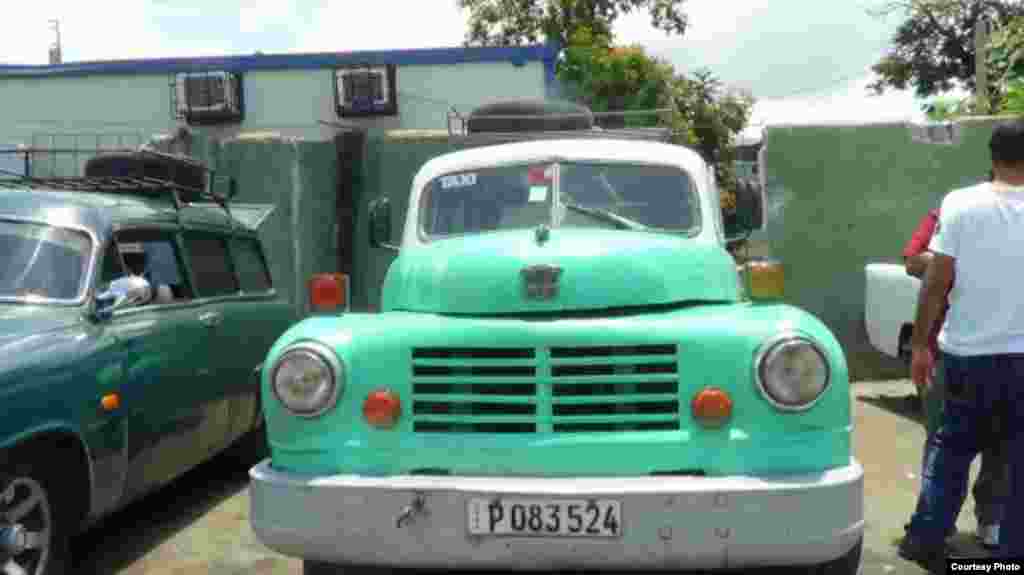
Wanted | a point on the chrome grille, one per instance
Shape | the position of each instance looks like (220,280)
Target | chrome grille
(555,390)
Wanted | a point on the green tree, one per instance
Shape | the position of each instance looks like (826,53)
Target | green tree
(707,117)
(933,49)
(609,78)
(703,114)
(1013,102)
(1005,60)
(516,22)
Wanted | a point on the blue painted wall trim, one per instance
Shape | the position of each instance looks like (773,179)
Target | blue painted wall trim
(517,55)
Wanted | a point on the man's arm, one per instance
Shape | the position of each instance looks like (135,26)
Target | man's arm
(917,264)
(916,256)
(931,300)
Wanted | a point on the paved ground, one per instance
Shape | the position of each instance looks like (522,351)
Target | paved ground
(199,525)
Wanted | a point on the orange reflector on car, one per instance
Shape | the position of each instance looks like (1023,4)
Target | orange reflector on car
(328,292)
(110,402)
(765,279)
(382,408)
(712,406)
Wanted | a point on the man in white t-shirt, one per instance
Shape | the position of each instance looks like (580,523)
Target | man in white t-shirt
(980,239)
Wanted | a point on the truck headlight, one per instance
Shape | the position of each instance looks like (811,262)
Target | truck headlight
(791,372)
(307,379)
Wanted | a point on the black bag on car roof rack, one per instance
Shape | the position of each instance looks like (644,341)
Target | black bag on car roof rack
(529,115)
(180,170)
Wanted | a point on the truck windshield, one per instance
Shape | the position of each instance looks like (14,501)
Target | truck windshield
(601,195)
(40,262)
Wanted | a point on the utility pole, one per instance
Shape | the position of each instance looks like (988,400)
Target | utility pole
(981,32)
(55,55)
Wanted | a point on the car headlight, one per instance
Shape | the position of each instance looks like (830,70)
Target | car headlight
(792,372)
(307,379)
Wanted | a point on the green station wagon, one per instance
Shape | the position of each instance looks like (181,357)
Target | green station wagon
(568,371)
(133,328)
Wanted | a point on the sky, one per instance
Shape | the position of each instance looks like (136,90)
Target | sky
(804,63)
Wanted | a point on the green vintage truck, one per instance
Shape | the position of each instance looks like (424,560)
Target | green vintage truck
(568,370)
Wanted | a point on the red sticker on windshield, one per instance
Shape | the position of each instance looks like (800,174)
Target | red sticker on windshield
(541,175)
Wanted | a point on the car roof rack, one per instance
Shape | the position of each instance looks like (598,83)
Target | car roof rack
(181,195)
(530,118)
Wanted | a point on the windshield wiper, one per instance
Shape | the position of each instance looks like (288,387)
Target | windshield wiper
(608,216)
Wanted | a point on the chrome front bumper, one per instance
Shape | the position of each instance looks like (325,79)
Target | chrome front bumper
(668,522)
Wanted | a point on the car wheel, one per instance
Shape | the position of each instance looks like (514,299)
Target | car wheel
(848,564)
(33,529)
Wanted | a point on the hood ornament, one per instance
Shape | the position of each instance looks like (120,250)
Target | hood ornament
(541,281)
(542,233)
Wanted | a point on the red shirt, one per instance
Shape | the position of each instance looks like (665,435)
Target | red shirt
(919,243)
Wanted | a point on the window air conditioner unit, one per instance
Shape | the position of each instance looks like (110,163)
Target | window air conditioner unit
(209,97)
(366,91)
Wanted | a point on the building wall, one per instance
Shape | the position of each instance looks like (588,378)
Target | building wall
(290,102)
(840,197)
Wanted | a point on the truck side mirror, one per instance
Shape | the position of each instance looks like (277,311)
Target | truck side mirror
(124,292)
(380,224)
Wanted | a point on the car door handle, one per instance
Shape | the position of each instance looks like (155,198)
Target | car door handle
(210,319)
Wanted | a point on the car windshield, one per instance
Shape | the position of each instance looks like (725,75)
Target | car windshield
(41,262)
(602,195)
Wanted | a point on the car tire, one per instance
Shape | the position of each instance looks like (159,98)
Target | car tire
(848,564)
(34,487)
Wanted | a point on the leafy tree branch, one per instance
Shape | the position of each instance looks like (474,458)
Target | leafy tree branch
(517,22)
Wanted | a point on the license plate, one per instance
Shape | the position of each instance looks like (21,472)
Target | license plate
(545,517)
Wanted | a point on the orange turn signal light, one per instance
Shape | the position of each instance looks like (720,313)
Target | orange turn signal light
(765,279)
(712,406)
(328,292)
(110,402)
(382,408)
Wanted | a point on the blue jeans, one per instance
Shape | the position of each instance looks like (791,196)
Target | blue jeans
(991,486)
(984,405)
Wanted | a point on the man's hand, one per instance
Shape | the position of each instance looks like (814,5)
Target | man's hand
(922,361)
(930,301)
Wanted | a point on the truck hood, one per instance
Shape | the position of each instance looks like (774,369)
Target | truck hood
(600,269)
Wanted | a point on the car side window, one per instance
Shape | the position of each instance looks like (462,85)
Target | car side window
(211,266)
(250,264)
(153,254)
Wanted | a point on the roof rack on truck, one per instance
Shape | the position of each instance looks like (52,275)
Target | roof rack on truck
(135,172)
(506,120)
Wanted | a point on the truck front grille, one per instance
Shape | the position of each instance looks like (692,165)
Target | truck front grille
(545,390)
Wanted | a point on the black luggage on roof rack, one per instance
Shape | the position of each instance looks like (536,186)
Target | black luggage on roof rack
(141,172)
(529,115)
(183,171)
